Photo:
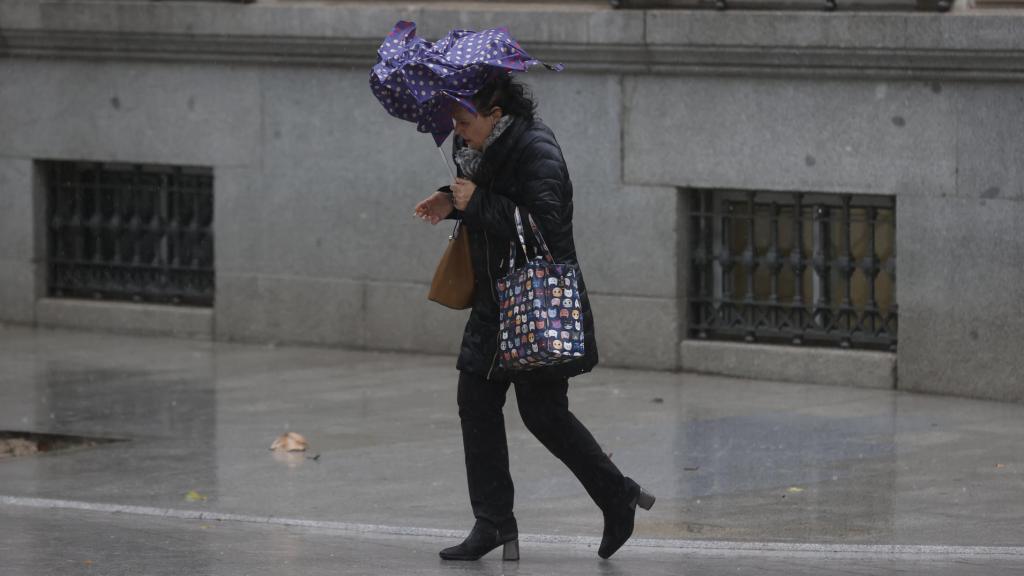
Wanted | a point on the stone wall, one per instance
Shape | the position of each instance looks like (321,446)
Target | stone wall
(314,184)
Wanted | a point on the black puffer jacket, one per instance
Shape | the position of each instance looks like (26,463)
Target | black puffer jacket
(524,167)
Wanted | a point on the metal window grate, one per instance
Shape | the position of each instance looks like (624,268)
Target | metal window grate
(129,232)
(794,268)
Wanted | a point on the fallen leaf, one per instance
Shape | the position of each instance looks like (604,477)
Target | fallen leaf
(794,489)
(1000,465)
(194,496)
(87,562)
(17,447)
(290,442)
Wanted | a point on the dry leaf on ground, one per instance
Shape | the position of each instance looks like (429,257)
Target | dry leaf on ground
(194,496)
(290,442)
(17,447)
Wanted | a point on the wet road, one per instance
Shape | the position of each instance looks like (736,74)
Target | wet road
(730,460)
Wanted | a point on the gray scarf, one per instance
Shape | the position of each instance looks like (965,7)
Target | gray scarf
(469,159)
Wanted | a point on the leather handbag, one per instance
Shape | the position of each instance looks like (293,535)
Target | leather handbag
(453,284)
(540,314)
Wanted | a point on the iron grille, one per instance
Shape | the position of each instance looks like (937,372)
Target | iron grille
(795,268)
(129,232)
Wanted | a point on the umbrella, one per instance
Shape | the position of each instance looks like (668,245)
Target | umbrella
(416,80)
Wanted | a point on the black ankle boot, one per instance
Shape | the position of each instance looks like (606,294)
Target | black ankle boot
(483,538)
(618,518)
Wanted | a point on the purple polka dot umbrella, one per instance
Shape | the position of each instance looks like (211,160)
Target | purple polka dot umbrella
(416,80)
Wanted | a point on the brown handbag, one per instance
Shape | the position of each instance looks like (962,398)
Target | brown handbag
(453,282)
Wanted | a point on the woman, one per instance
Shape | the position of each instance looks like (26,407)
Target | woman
(508,158)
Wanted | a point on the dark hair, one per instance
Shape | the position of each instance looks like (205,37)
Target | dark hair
(507,93)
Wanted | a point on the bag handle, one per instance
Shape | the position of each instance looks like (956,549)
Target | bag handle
(522,240)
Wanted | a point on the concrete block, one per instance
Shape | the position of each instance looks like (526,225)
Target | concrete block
(237,236)
(20,241)
(616,27)
(990,140)
(637,332)
(549,24)
(960,255)
(626,237)
(259,308)
(961,356)
(17,210)
(18,285)
(818,135)
(300,223)
(399,317)
(860,368)
(149,319)
(140,17)
(585,113)
(979,31)
(372,21)
(835,30)
(539,24)
(961,296)
(796,29)
(630,244)
(20,14)
(130,112)
(344,202)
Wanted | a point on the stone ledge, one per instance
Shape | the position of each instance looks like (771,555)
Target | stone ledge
(586,37)
(125,317)
(851,30)
(858,368)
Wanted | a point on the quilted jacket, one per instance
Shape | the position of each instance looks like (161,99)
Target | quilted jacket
(524,167)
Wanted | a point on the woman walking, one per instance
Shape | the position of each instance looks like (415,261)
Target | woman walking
(508,158)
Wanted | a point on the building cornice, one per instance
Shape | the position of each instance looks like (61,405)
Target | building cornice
(589,38)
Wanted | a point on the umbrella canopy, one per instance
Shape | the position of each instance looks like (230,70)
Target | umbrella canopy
(416,80)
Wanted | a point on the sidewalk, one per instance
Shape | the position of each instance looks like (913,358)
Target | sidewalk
(762,473)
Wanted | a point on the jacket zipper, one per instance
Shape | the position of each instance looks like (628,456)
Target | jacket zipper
(497,336)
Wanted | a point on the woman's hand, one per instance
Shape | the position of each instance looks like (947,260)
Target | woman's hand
(463,190)
(435,208)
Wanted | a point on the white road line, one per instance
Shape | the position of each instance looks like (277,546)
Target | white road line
(695,547)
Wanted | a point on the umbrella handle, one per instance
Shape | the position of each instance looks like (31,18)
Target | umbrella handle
(444,159)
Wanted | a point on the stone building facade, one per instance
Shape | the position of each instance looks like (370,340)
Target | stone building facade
(898,127)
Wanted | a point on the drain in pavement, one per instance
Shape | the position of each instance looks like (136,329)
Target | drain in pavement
(13,443)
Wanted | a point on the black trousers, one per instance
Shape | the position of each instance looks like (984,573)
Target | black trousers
(544,407)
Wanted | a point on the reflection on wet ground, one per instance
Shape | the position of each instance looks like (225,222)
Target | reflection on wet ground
(728,459)
(66,543)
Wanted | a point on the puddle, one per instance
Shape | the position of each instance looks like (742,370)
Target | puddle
(13,443)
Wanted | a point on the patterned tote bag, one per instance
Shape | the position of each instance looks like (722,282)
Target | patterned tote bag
(541,320)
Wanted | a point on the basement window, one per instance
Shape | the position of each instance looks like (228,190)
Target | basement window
(139,232)
(794,268)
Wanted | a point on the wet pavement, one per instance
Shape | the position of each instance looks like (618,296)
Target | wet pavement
(44,545)
(750,475)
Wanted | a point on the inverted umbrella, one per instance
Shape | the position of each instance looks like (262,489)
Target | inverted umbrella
(416,80)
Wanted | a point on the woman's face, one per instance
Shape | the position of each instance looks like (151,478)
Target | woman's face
(474,128)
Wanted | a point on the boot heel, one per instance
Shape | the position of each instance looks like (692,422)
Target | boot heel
(645,499)
(511,551)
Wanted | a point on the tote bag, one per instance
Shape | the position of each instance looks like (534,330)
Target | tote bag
(541,318)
